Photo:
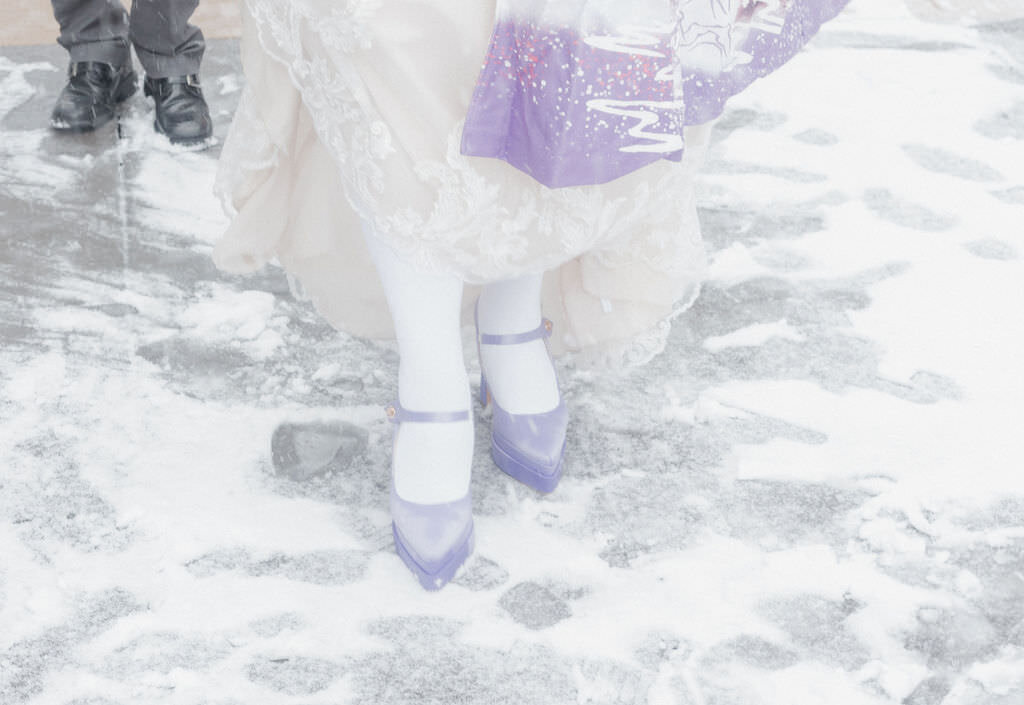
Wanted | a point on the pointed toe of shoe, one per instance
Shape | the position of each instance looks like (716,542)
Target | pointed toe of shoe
(433,540)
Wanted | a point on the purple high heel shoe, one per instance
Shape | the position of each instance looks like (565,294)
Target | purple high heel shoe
(528,447)
(433,540)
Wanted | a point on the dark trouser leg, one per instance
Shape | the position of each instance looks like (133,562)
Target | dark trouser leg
(166,44)
(93,30)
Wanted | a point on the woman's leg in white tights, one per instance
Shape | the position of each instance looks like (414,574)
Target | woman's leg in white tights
(432,461)
(521,376)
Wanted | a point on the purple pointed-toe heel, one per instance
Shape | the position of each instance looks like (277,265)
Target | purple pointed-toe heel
(433,540)
(528,447)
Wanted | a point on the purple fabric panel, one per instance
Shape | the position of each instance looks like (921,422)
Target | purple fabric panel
(530,107)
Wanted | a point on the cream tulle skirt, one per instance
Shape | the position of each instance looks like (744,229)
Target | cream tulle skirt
(351,118)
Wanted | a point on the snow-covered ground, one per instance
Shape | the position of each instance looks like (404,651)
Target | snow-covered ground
(815,495)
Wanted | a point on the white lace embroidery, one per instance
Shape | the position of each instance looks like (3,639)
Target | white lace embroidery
(457,233)
(248,150)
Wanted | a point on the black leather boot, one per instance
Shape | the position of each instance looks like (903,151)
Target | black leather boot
(181,110)
(91,95)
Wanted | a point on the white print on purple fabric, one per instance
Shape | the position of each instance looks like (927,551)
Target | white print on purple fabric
(648,42)
(709,35)
(577,92)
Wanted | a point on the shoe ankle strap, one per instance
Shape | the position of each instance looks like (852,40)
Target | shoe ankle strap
(397,414)
(541,331)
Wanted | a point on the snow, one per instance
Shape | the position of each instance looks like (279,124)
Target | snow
(752,336)
(813,496)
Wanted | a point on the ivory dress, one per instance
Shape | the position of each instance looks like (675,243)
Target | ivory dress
(353,116)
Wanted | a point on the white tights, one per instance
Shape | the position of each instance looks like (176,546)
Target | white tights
(432,461)
(521,377)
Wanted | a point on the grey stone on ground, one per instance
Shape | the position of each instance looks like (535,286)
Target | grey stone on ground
(295,675)
(1015,635)
(817,627)
(481,574)
(1010,74)
(426,664)
(1008,123)
(303,450)
(930,388)
(816,136)
(756,651)
(317,567)
(834,360)
(117,310)
(217,562)
(787,513)
(27,665)
(868,40)
(930,691)
(162,652)
(660,647)
(612,683)
(951,638)
(1003,512)
(943,161)
(269,627)
(1013,195)
(725,226)
(974,693)
(741,118)
(781,259)
(889,207)
(413,629)
(50,501)
(666,522)
(534,606)
(999,571)
(800,176)
(203,370)
(992,249)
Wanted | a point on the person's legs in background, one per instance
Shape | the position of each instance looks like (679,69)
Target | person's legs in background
(95,33)
(166,44)
(171,51)
(93,30)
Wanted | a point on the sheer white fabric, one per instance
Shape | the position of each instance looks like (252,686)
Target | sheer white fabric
(352,111)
